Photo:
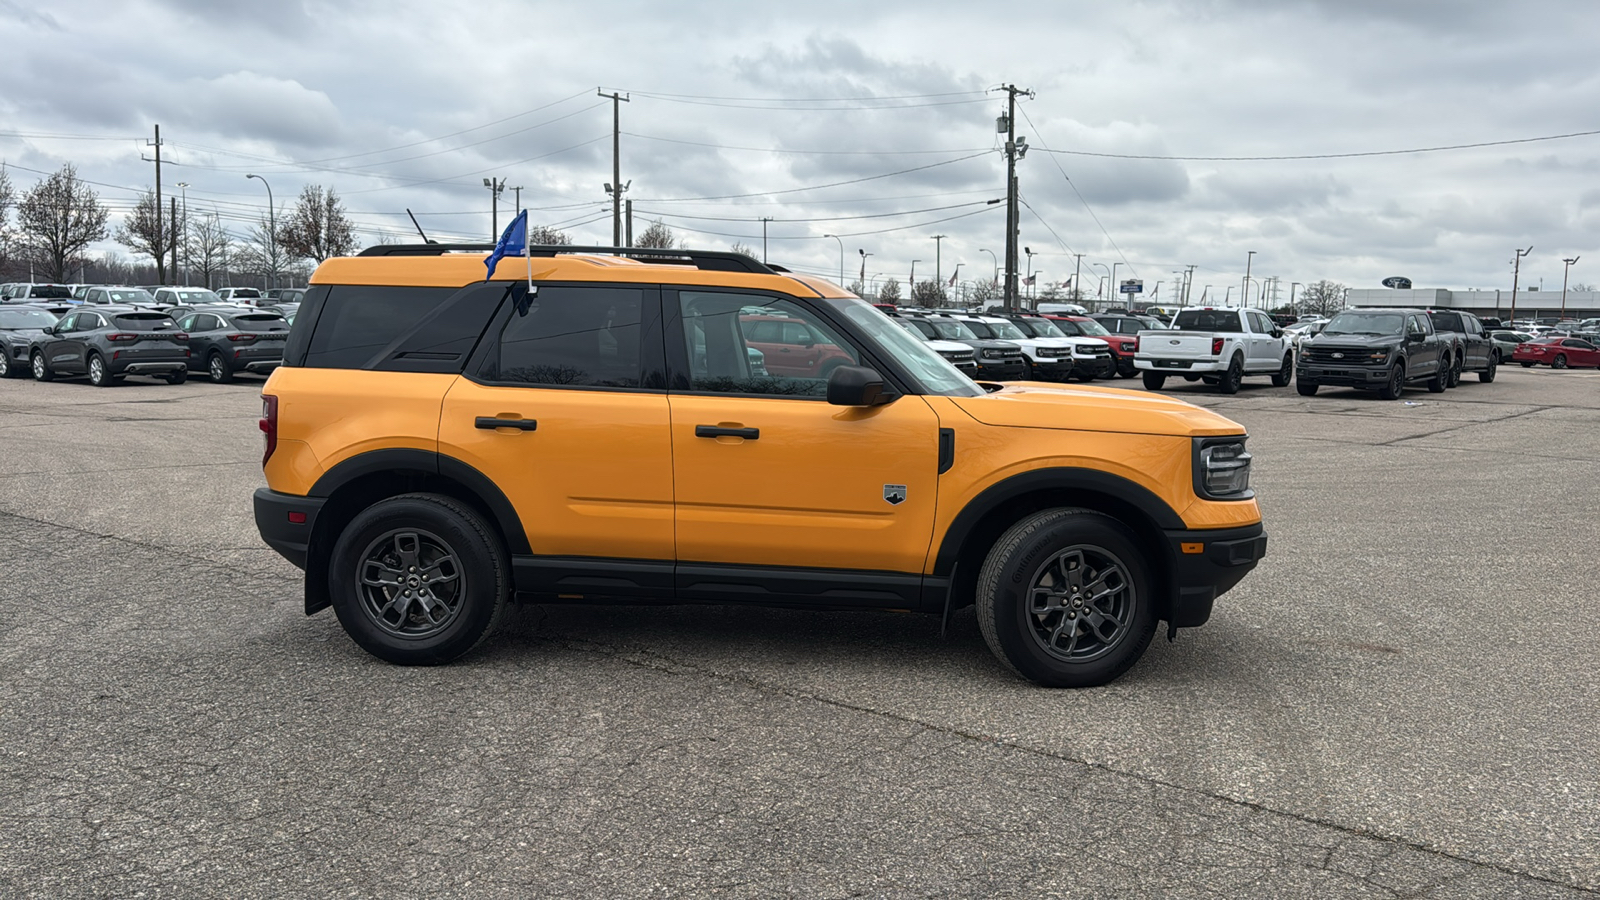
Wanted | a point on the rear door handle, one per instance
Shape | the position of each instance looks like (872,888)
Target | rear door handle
(491,423)
(713,431)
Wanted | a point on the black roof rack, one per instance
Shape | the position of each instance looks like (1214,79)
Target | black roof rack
(710,260)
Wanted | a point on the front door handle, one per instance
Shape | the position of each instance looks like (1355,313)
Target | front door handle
(714,431)
(491,423)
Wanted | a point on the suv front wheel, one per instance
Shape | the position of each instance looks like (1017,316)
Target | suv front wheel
(418,579)
(1064,598)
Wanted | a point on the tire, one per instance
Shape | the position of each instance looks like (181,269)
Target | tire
(1526,364)
(217,369)
(1127,370)
(1487,375)
(1032,588)
(1153,381)
(5,363)
(1456,368)
(389,550)
(1285,373)
(1231,379)
(1191,378)
(97,372)
(41,369)
(1560,362)
(1439,381)
(1396,385)
(178,377)
(1306,390)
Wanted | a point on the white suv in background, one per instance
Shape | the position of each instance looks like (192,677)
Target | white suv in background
(1048,358)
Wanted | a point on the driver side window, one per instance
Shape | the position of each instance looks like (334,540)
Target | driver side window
(753,344)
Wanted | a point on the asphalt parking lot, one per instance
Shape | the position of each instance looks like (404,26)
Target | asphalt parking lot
(1400,701)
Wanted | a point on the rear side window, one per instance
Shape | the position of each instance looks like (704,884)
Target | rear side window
(260,323)
(143,321)
(570,336)
(361,326)
(1207,320)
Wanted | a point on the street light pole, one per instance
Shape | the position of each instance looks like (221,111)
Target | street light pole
(913,287)
(1564,272)
(1029,252)
(1244,292)
(184,235)
(1292,286)
(938,266)
(1516,273)
(1114,284)
(841,256)
(495,186)
(864,255)
(996,265)
(272,225)
(1099,292)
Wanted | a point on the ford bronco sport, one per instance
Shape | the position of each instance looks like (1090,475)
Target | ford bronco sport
(587,425)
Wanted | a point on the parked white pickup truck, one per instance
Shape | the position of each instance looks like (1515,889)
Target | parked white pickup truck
(1217,346)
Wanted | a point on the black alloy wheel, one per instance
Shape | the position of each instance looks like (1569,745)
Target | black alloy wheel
(1487,375)
(1560,362)
(41,369)
(1456,369)
(5,362)
(1396,385)
(1154,380)
(418,579)
(178,377)
(1064,598)
(1233,378)
(1285,372)
(217,369)
(1440,379)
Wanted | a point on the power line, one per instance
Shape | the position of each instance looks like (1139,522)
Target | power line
(816,187)
(887,215)
(1439,149)
(1081,199)
(664,95)
(652,137)
(843,234)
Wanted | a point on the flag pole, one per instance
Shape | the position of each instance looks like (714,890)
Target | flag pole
(527,251)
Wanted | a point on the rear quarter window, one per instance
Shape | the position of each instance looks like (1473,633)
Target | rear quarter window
(260,323)
(394,328)
(143,321)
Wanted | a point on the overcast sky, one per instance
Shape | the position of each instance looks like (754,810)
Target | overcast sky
(763,106)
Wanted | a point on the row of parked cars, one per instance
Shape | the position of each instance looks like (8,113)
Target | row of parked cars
(30,292)
(1029,345)
(112,332)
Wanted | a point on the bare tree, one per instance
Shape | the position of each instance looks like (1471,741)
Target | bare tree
(986,290)
(928,293)
(657,237)
(889,292)
(208,247)
(544,235)
(317,227)
(739,247)
(8,199)
(59,218)
(258,253)
(148,234)
(1323,297)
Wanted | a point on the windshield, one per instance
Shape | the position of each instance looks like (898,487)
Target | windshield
(1090,328)
(129,295)
(1372,324)
(50,292)
(1006,331)
(241,293)
(1041,327)
(260,323)
(196,297)
(951,330)
(25,318)
(143,321)
(913,329)
(933,372)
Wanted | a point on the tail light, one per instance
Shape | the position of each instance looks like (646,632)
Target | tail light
(1216,346)
(122,337)
(269,425)
(241,338)
(180,336)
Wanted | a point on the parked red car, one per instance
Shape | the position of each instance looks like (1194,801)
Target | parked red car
(1558,353)
(1123,346)
(793,348)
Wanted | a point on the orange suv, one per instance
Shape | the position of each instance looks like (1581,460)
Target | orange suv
(590,424)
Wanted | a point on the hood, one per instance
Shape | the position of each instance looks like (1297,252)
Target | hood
(1094,409)
(1324,339)
(22,332)
(948,346)
(981,344)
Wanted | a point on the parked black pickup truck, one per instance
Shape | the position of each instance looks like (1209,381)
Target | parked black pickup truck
(1470,347)
(1376,349)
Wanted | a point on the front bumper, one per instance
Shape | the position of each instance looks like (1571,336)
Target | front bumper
(148,368)
(1098,366)
(1348,376)
(1057,369)
(1206,564)
(273,519)
(1208,366)
(997,370)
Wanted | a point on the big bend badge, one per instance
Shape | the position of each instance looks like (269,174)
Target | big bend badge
(894,494)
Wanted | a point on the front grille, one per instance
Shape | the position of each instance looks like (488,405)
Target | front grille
(1343,356)
(1101,350)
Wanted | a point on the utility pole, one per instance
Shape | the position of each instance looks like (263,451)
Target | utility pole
(174,239)
(616,165)
(1292,286)
(161,232)
(1564,272)
(1076,271)
(938,269)
(1014,151)
(1515,274)
(1244,291)
(184,231)
(764,221)
(495,186)
(1188,285)
(518,189)
(629,206)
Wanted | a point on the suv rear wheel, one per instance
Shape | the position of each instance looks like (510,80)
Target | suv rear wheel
(418,579)
(1064,598)
(1233,378)
(217,369)
(1154,380)
(97,372)
(41,369)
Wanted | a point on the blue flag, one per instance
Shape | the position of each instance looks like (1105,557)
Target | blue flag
(513,241)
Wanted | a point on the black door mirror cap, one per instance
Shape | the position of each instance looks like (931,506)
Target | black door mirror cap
(858,386)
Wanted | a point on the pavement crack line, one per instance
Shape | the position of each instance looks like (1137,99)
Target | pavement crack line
(1505,418)
(164,551)
(650,659)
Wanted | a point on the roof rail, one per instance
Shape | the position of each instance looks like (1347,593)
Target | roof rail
(711,260)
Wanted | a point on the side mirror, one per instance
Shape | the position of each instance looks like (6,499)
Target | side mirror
(1414,338)
(1277,332)
(857,386)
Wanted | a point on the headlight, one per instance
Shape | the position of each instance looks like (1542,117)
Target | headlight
(1379,356)
(994,354)
(1222,469)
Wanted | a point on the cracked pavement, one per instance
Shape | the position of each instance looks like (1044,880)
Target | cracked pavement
(1397,703)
